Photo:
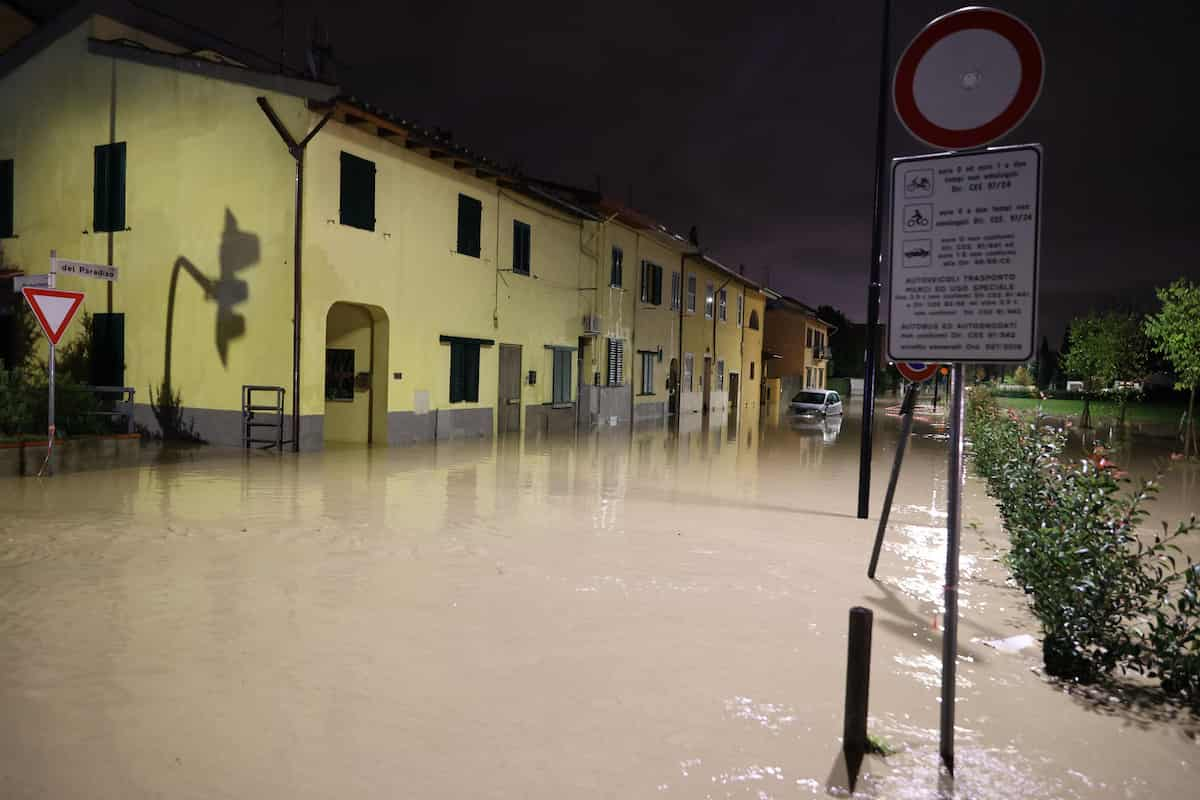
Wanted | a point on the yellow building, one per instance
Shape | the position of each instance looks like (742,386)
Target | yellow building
(390,284)
(796,345)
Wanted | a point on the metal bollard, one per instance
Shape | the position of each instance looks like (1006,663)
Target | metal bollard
(858,682)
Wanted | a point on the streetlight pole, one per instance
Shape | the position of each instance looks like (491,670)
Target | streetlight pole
(873,287)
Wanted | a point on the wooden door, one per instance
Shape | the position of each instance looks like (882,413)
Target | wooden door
(508,403)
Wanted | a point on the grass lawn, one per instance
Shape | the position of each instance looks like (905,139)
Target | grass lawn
(1134,412)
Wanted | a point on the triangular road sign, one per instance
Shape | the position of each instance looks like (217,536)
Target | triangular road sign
(54,309)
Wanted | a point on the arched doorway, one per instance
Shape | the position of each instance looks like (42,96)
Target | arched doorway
(356,370)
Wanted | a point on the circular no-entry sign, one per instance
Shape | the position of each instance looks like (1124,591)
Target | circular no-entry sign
(916,371)
(968,78)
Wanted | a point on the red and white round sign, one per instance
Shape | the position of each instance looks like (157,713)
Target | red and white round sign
(916,371)
(968,78)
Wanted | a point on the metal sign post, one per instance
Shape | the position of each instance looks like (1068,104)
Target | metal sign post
(965,231)
(48,466)
(953,530)
(906,415)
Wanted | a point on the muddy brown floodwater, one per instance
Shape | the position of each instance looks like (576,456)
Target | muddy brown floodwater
(625,615)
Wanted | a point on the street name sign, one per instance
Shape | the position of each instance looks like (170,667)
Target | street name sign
(41,281)
(54,309)
(964,255)
(66,266)
(968,78)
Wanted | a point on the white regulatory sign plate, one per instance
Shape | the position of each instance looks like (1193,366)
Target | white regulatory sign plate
(964,255)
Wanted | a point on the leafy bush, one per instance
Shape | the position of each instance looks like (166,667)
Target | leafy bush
(25,401)
(1106,597)
(839,385)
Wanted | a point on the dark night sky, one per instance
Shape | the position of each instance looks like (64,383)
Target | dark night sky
(755,122)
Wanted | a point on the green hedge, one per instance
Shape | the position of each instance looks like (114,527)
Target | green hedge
(1106,597)
(25,401)
(839,385)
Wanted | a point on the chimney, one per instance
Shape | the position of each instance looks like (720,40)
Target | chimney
(694,236)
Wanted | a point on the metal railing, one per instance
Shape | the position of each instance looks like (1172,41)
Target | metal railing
(121,407)
(261,415)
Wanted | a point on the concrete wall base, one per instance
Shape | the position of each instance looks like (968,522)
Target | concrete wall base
(224,427)
(70,455)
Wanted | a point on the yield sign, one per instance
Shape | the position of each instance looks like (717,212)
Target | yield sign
(54,309)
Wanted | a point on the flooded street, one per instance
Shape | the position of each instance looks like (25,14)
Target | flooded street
(625,615)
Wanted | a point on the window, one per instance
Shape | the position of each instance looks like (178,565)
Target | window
(616,362)
(741,308)
(108,208)
(651,283)
(6,199)
(339,374)
(521,243)
(562,376)
(753,322)
(708,300)
(648,372)
(808,337)
(720,375)
(751,363)
(691,294)
(464,372)
(676,290)
(808,377)
(689,366)
(358,192)
(470,221)
(618,267)
(722,302)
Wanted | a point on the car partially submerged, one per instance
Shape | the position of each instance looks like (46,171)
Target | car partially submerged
(823,402)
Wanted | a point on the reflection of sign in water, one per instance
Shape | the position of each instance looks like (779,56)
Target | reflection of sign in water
(919,183)
(916,252)
(918,217)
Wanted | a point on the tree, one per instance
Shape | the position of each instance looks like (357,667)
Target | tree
(1107,349)
(1046,365)
(1175,334)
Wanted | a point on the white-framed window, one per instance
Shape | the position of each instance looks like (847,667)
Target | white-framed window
(708,300)
(741,308)
(616,276)
(689,367)
(720,375)
(676,290)
(648,373)
(722,305)
(691,294)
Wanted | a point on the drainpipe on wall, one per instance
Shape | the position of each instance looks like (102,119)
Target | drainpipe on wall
(296,149)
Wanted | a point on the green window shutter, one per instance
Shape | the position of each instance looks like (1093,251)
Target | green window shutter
(521,246)
(108,187)
(470,220)
(6,199)
(471,368)
(116,186)
(357,192)
(658,273)
(562,376)
(457,382)
(618,264)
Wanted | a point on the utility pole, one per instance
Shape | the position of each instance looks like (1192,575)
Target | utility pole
(874,286)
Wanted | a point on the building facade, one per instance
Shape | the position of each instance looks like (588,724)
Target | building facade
(796,346)
(269,230)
